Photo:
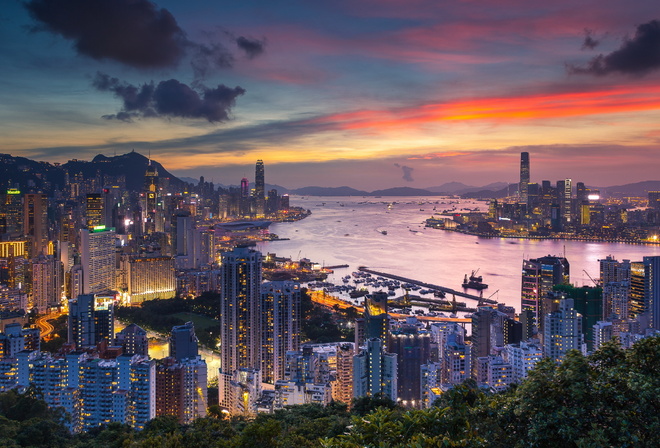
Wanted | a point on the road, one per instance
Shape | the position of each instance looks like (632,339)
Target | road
(45,326)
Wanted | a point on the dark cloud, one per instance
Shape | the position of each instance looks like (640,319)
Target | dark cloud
(407,172)
(133,32)
(590,42)
(169,99)
(251,47)
(637,55)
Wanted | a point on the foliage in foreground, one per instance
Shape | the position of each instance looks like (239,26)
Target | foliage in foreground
(607,399)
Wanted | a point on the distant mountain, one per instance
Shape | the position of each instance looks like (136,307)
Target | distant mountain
(133,165)
(634,189)
(490,194)
(461,188)
(328,191)
(402,191)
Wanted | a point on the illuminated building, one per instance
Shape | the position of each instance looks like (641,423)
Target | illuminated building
(98,259)
(523,358)
(413,349)
(342,386)
(90,320)
(564,197)
(524,178)
(149,278)
(35,222)
(133,340)
(637,304)
(150,199)
(455,360)
(375,371)
(654,200)
(652,290)
(242,392)
(94,214)
(240,315)
(495,373)
(538,277)
(306,379)
(563,332)
(375,322)
(11,212)
(194,283)
(181,388)
(12,299)
(280,305)
(260,189)
(244,201)
(47,279)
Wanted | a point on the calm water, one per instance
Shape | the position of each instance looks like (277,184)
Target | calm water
(348,231)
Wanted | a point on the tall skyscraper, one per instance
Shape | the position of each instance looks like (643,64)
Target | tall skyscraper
(183,342)
(97,259)
(240,316)
(11,212)
(35,222)
(280,305)
(375,322)
(260,189)
(652,290)
(244,200)
(47,277)
(150,199)
(524,178)
(413,348)
(94,214)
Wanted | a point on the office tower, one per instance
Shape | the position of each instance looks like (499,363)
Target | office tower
(149,278)
(35,222)
(97,259)
(524,178)
(563,332)
(94,213)
(244,199)
(183,342)
(133,340)
(375,322)
(654,200)
(413,348)
(342,386)
(273,202)
(281,320)
(11,212)
(564,199)
(47,277)
(260,189)
(150,199)
(375,371)
(538,278)
(523,357)
(91,320)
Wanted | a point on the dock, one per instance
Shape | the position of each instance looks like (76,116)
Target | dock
(429,286)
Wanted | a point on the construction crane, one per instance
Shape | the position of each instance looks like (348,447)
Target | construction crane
(590,278)
(481,297)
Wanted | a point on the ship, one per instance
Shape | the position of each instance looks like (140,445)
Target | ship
(474,282)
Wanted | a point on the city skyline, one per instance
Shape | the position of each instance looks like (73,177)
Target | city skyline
(343,94)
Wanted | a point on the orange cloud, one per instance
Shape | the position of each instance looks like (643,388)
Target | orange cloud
(503,109)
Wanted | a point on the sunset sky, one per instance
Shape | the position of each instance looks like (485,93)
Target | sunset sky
(365,93)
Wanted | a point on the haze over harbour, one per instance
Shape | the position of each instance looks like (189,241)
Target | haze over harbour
(347,230)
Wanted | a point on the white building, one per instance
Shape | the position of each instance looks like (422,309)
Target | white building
(563,332)
(523,357)
(97,259)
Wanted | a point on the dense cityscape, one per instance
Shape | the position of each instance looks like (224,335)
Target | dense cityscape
(343,224)
(80,255)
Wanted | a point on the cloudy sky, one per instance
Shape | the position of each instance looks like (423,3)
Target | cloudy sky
(366,93)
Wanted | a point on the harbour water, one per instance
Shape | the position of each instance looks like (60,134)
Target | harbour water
(349,230)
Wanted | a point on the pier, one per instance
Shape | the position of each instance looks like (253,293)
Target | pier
(429,286)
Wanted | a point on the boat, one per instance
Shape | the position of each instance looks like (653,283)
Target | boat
(384,232)
(474,281)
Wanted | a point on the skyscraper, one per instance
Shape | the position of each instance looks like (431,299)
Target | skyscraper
(524,178)
(260,189)
(376,320)
(240,316)
(375,371)
(97,259)
(280,305)
(563,331)
(183,342)
(150,199)
(539,275)
(94,215)
(35,222)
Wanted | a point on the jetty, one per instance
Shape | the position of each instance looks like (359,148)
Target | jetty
(429,286)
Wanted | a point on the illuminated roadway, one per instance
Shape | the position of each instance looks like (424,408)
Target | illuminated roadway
(323,298)
(46,327)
